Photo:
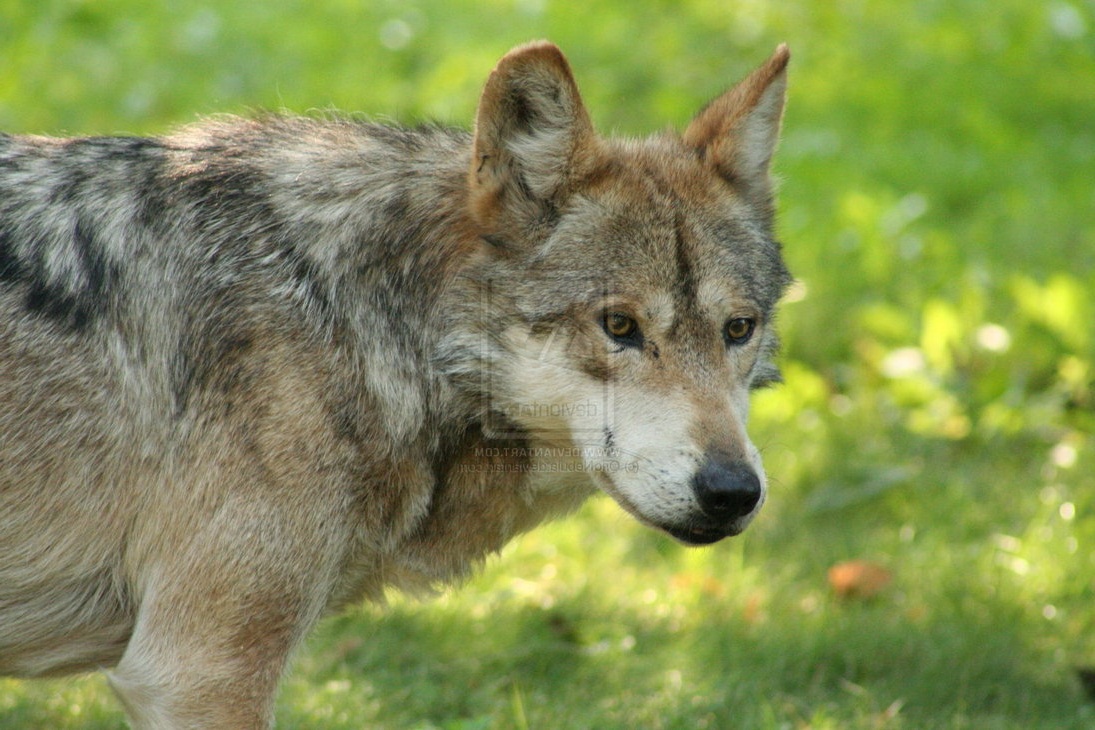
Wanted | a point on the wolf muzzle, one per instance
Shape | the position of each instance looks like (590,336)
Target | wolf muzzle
(727,490)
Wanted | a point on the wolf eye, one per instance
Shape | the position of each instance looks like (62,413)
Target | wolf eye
(620,327)
(739,330)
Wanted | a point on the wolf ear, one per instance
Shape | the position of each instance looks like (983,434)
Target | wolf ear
(738,131)
(531,134)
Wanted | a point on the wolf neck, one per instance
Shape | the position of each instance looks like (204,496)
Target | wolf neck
(416,268)
(364,232)
(375,233)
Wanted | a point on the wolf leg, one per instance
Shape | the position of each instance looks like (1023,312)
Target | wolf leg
(218,621)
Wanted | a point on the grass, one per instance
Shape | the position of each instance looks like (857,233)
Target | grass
(939,407)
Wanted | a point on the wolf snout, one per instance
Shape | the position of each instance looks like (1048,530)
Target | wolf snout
(726,490)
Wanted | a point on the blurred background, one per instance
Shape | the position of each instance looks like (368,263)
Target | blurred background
(927,555)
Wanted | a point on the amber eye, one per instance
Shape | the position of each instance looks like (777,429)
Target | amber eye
(739,330)
(620,327)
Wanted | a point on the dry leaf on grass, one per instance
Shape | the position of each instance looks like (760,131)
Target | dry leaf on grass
(858,579)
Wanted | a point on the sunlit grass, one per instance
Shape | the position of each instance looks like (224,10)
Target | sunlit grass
(939,402)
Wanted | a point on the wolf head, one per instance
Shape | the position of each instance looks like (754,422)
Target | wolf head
(630,288)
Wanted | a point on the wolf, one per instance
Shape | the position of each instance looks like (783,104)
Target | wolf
(258,369)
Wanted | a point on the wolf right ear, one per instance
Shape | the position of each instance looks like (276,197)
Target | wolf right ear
(532,135)
(738,131)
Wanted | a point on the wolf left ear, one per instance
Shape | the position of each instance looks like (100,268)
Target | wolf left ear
(533,135)
(738,131)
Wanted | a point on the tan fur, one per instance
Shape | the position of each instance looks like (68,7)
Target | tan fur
(258,370)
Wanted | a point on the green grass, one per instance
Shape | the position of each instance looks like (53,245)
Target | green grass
(938,207)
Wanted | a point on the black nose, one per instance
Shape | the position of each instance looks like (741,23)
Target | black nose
(726,489)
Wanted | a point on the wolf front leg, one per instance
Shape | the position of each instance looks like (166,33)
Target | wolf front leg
(218,620)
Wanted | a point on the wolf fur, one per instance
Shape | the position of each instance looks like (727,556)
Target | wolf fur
(258,369)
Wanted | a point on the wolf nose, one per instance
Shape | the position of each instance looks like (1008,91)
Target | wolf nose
(726,490)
